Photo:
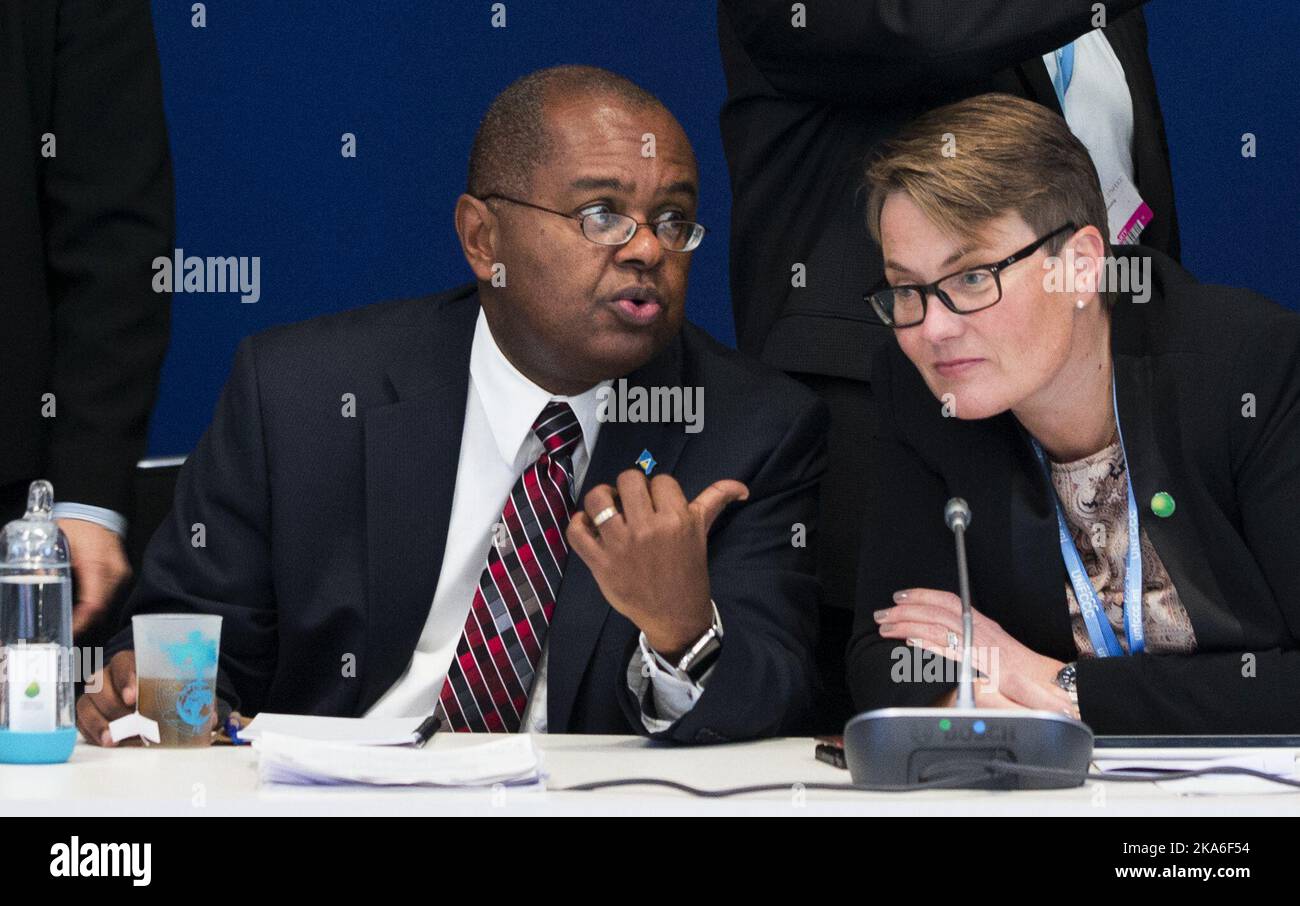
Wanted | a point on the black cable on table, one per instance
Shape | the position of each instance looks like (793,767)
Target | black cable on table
(944,780)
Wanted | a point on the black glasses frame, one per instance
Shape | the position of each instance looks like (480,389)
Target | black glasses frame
(875,298)
(654,226)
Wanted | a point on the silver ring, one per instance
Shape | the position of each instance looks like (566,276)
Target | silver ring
(604,516)
(952,639)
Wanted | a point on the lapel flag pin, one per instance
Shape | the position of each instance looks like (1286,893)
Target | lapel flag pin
(646,462)
(1162,504)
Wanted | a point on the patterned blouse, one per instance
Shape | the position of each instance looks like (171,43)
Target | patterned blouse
(1094,496)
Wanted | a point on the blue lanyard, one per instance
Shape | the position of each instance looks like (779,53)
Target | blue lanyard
(1103,638)
(1064,71)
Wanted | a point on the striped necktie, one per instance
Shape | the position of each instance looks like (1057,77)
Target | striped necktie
(496,659)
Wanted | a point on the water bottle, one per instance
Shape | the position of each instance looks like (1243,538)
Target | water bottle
(37,691)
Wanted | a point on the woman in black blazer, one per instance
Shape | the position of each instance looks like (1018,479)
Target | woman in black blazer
(1188,394)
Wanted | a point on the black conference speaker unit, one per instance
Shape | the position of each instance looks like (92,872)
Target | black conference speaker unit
(966,747)
(895,747)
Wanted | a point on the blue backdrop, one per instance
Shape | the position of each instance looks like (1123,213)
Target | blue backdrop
(257,102)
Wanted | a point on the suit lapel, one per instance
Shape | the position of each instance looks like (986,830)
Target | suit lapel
(580,609)
(1175,539)
(412,448)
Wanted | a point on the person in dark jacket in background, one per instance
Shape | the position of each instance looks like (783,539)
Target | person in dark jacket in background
(85,208)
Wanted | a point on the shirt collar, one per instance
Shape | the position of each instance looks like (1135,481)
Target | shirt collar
(512,402)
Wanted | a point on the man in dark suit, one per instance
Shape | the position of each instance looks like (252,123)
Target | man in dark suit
(85,207)
(344,512)
(809,97)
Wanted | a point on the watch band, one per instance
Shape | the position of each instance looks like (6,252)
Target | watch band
(700,656)
(1068,679)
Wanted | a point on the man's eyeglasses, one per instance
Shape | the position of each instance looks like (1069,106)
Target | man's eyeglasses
(610,228)
(969,290)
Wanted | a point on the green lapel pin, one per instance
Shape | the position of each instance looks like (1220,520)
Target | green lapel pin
(1162,504)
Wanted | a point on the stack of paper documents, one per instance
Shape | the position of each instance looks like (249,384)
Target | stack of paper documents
(289,759)
(368,731)
(1279,763)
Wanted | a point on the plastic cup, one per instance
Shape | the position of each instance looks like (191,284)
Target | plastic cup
(176,671)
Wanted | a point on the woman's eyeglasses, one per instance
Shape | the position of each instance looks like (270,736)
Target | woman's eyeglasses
(969,290)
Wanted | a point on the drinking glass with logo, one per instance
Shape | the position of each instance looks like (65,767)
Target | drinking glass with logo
(176,675)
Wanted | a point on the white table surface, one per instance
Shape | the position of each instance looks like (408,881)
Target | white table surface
(222,780)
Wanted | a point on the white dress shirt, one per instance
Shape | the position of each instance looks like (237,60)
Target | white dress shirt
(496,445)
(1099,110)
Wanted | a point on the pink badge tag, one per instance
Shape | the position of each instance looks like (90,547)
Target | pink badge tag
(1137,223)
(1127,213)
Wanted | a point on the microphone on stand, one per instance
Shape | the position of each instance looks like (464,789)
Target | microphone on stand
(957,514)
(963,747)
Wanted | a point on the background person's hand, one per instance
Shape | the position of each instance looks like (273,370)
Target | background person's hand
(1017,675)
(651,560)
(116,698)
(99,566)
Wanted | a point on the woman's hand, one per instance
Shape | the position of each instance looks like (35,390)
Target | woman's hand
(1016,676)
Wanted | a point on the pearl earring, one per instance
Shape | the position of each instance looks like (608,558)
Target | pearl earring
(1080,303)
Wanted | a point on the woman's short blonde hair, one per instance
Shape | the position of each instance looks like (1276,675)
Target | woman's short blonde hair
(969,163)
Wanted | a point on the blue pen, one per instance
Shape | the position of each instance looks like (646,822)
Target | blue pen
(232,730)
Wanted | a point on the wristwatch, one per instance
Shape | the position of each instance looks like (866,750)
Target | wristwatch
(700,657)
(1068,679)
